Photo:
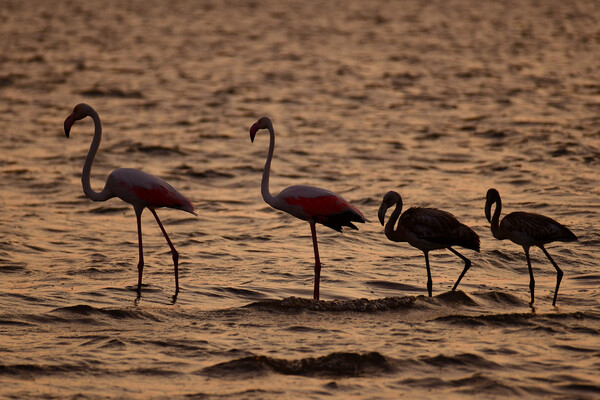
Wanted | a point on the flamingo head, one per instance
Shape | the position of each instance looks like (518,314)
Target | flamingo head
(262,123)
(492,196)
(80,111)
(389,199)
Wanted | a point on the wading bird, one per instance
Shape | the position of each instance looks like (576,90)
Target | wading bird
(308,203)
(527,229)
(133,186)
(427,229)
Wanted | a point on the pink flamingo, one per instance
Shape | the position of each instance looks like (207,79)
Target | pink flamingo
(133,186)
(308,203)
(527,229)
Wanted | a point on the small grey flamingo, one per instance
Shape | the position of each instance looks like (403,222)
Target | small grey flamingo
(527,229)
(427,229)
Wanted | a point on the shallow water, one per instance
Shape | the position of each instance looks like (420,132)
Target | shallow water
(439,101)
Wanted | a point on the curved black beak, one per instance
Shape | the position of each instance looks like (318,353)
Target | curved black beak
(381,213)
(68,124)
(253,130)
(488,211)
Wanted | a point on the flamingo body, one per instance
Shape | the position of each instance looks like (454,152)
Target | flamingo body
(133,186)
(307,203)
(433,229)
(142,189)
(311,203)
(427,229)
(527,229)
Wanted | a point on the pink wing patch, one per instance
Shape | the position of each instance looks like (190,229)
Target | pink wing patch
(160,196)
(319,206)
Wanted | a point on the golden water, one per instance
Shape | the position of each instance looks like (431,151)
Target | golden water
(437,100)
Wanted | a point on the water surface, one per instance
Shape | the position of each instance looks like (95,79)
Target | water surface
(439,101)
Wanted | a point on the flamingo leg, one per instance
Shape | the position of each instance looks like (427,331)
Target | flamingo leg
(173,252)
(559,274)
(138,215)
(429,281)
(464,271)
(531,280)
(313,231)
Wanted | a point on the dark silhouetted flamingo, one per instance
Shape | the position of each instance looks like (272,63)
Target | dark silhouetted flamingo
(427,229)
(527,229)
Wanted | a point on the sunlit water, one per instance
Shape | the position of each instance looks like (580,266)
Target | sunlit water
(437,100)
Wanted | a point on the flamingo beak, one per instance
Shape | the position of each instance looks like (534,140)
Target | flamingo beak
(381,213)
(488,211)
(68,124)
(253,129)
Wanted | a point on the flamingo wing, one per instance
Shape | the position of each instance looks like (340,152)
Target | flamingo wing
(538,227)
(321,206)
(440,227)
(146,190)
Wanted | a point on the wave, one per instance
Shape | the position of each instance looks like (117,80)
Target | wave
(459,360)
(154,149)
(360,305)
(106,209)
(456,298)
(86,310)
(207,174)
(453,299)
(44,369)
(191,347)
(331,365)
(240,292)
(391,285)
(112,92)
(580,387)
(529,320)
(11,267)
(344,364)
(153,371)
(503,298)
(13,322)
(477,383)
(114,344)
(32,370)
(244,394)
(588,278)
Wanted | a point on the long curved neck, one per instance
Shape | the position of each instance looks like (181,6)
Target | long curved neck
(495,224)
(87,167)
(398,234)
(264,186)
